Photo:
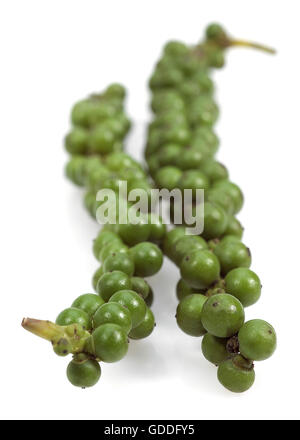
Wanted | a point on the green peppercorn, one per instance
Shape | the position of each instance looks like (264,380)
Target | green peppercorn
(147,257)
(188,314)
(214,349)
(257,340)
(145,328)
(112,282)
(244,284)
(222,315)
(200,269)
(85,374)
(113,313)
(237,374)
(110,342)
(88,302)
(133,302)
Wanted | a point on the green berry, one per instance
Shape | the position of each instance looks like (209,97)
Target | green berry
(113,313)
(188,314)
(145,328)
(76,141)
(200,269)
(133,302)
(237,374)
(111,248)
(257,340)
(183,290)
(73,315)
(223,315)
(85,374)
(214,349)
(214,170)
(244,284)
(215,32)
(187,244)
(88,302)
(120,262)
(147,258)
(116,90)
(232,254)
(110,342)
(111,282)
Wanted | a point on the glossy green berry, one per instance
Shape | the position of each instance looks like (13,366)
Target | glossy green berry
(214,349)
(88,302)
(187,244)
(133,302)
(140,286)
(223,315)
(168,177)
(236,374)
(111,282)
(233,191)
(113,313)
(257,340)
(147,258)
(215,221)
(200,269)
(183,290)
(145,328)
(110,342)
(73,315)
(119,261)
(188,314)
(232,254)
(111,248)
(85,374)
(244,284)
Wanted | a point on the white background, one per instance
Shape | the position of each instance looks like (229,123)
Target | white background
(56,52)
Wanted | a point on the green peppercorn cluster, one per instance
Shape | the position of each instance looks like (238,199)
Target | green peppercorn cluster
(216,281)
(97,327)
